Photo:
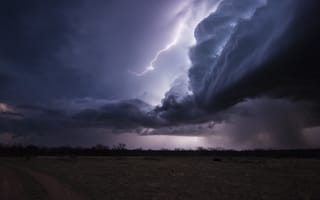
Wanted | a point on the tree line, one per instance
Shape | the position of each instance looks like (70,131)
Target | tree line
(121,150)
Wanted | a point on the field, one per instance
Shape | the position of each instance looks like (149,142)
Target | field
(160,178)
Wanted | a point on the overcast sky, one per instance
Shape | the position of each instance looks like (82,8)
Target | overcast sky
(160,74)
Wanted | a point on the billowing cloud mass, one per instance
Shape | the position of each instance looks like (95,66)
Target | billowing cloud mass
(251,48)
(245,75)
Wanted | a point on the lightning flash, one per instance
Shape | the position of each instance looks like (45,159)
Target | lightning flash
(173,43)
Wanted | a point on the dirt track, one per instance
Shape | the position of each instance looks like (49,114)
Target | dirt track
(11,186)
(14,187)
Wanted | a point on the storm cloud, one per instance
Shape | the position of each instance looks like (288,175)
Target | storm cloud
(257,48)
(251,82)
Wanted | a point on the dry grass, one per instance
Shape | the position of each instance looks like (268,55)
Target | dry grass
(184,177)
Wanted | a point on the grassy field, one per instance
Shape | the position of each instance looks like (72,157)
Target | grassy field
(165,177)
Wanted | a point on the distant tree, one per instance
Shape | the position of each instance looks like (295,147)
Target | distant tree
(101,147)
(201,149)
(119,147)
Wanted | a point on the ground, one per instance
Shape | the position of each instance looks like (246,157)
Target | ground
(161,178)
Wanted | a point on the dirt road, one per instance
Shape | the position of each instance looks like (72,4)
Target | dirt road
(14,186)
(10,185)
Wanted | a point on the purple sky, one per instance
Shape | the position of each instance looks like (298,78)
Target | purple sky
(160,74)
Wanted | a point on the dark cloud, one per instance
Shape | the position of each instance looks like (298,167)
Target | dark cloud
(255,123)
(253,77)
(74,49)
(173,110)
(123,114)
(33,109)
(265,54)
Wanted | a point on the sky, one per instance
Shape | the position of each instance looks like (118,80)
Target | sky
(160,74)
